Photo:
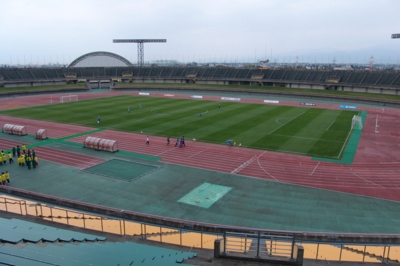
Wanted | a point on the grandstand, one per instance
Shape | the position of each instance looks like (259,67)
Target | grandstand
(381,82)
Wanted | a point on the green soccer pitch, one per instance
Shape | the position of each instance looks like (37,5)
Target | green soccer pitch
(306,131)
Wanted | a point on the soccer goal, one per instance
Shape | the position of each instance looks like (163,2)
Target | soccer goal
(356,122)
(69,98)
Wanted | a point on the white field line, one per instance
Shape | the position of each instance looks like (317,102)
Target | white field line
(160,153)
(344,144)
(330,125)
(315,168)
(266,171)
(367,181)
(376,124)
(243,165)
(285,123)
(277,121)
(197,153)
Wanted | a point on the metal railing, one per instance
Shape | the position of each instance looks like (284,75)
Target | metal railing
(252,244)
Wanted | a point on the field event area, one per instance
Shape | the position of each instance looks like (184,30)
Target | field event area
(298,130)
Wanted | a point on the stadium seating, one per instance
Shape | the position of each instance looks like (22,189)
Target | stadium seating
(344,75)
(126,253)
(220,72)
(166,72)
(362,78)
(302,75)
(208,73)
(177,72)
(277,74)
(243,74)
(231,73)
(38,73)
(156,72)
(356,77)
(289,75)
(371,78)
(315,76)
(144,72)
(77,248)
(396,82)
(386,79)
(15,231)
(51,73)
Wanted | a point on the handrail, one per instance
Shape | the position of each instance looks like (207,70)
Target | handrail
(331,237)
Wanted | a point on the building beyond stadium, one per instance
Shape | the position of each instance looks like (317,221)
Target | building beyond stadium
(100,59)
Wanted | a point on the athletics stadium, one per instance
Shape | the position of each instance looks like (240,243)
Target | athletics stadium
(99,187)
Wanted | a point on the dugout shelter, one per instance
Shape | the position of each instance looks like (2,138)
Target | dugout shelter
(100,144)
(14,129)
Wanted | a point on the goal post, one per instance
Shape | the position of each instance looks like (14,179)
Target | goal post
(356,122)
(69,98)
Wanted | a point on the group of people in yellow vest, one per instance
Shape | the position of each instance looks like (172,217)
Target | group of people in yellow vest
(25,156)
(5,177)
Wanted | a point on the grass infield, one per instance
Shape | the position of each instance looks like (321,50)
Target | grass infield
(299,130)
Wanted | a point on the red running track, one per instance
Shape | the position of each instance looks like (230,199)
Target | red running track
(375,171)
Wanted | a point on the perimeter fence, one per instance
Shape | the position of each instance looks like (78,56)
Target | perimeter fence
(259,244)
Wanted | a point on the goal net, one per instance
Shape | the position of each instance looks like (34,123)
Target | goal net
(356,122)
(69,98)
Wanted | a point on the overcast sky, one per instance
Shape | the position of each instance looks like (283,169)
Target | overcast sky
(43,31)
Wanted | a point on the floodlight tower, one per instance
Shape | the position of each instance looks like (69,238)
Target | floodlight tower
(140,46)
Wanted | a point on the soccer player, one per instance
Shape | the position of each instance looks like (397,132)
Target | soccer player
(98,120)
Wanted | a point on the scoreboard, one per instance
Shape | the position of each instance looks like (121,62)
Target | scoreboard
(395,35)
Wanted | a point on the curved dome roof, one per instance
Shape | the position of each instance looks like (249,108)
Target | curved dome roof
(100,59)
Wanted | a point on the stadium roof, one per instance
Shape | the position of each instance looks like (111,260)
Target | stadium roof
(100,59)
